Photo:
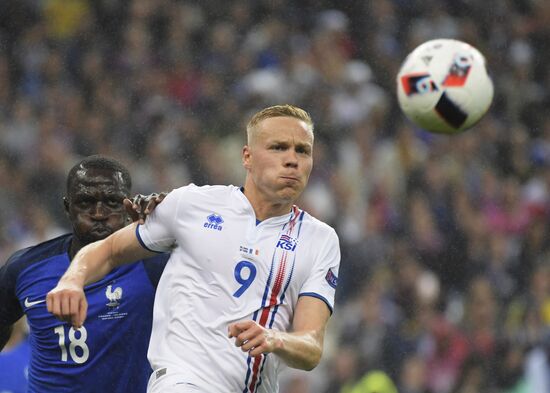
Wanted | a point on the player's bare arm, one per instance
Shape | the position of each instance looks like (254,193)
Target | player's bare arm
(5,333)
(67,300)
(302,348)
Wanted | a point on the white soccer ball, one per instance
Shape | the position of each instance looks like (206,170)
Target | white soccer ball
(443,86)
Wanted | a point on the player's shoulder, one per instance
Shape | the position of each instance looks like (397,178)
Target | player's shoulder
(317,229)
(316,224)
(39,252)
(206,191)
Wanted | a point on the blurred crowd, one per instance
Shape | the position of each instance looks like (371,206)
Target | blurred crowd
(445,276)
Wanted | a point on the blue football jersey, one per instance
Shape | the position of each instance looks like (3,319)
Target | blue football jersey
(109,353)
(14,365)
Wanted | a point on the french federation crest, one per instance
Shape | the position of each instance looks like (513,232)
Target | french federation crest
(113,296)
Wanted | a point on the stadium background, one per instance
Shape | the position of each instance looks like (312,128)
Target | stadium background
(445,276)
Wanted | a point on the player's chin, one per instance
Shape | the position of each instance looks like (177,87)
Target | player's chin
(290,193)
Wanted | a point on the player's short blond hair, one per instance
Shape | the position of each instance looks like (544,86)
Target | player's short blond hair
(278,111)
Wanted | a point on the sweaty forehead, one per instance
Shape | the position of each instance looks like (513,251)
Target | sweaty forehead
(95,179)
(282,128)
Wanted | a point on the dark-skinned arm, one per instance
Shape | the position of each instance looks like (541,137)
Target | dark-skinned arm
(5,334)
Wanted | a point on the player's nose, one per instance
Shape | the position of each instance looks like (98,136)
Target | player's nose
(291,158)
(99,211)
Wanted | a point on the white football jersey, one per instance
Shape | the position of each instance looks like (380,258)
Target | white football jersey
(225,267)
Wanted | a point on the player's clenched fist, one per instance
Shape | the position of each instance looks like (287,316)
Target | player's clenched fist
(68,303)
(253,338)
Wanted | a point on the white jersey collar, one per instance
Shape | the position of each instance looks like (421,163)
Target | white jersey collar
(239,192)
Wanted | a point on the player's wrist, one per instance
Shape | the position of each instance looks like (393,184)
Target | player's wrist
(276,342)
(73,280)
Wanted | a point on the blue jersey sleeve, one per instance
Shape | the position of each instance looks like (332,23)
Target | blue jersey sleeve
(10,308)
(154,267)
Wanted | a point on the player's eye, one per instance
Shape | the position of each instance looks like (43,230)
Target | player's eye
(113,203)
(83,203)
(303,150)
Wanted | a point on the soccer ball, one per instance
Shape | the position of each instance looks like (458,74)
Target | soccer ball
(443,86)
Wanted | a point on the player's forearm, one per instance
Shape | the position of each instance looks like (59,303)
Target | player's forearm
(91,263)
(94,261)
(301,350)
(5,333)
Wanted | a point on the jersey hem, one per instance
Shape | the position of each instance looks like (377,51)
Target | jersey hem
(140,240)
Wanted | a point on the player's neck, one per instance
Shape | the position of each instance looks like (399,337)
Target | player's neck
(75,247)
(265,207)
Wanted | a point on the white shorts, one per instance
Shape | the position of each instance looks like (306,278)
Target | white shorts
(162,381)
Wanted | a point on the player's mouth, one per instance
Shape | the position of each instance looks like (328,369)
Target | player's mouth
(100,230)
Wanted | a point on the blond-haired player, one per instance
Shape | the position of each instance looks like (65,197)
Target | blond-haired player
(250,283)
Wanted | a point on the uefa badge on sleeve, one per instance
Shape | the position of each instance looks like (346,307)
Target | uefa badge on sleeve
(331,279)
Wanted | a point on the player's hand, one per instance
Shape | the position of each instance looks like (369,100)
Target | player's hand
(68,303)
(253,338)
(141,206)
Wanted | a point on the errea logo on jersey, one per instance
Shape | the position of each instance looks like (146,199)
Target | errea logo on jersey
(214,221)
(287,243)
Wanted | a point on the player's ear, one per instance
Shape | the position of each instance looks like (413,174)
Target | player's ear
(66,205)
(246,156)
